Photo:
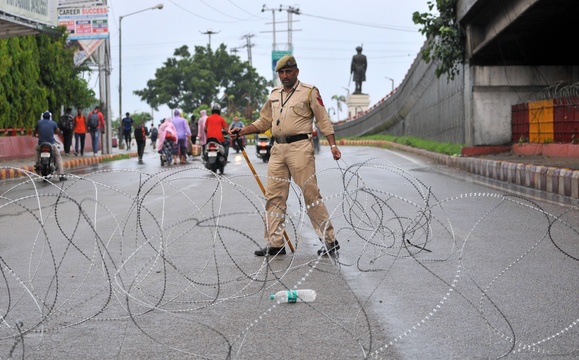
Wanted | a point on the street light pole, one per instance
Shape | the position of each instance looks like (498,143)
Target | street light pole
(210,32)
(386,77)
(158,6)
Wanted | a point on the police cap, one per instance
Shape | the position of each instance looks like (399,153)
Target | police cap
(287,61)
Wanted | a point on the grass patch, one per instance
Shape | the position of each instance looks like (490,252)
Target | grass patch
(434,146)
(116,157)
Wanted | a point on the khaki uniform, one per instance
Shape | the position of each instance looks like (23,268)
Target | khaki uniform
(288,114)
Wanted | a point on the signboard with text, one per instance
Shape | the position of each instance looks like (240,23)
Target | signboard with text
(79,2)
(85,22)
(43,11)
(276,55)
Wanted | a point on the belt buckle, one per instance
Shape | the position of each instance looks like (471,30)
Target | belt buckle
(281,140)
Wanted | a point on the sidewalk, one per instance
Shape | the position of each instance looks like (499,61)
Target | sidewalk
(557,175)
(14,168)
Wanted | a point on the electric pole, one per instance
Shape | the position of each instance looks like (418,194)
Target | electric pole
(264,8)
(248,45)
(291,10)
(276,55)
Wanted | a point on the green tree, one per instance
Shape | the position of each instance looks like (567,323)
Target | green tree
(38,74)
(187,81)
(339,100)
(141,118)
(21,95)
(445,40)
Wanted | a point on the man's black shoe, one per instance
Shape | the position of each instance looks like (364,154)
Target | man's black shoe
(270,251)
(329,249)
(62,178)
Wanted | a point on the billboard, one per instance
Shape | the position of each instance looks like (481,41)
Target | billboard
(84,49)
(79,2)
(85,22)
(41,11)
(276,55)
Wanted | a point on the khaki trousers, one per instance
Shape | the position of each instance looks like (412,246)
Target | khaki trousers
(287,161)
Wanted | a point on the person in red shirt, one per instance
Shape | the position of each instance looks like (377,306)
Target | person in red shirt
(79,132)
(214,127)
(215,124)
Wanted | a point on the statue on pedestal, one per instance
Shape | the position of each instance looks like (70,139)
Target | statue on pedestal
(358,69)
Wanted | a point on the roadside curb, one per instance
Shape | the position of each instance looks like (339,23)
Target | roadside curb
(560,181)
(9,172)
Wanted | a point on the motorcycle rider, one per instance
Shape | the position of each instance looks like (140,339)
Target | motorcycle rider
(236,123)
(214,127)
(45,130)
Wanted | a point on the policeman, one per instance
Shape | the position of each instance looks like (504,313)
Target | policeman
(289,112)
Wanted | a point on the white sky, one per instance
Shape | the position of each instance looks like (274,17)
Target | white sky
(329,31)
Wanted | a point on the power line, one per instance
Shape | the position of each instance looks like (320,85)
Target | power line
(385,27)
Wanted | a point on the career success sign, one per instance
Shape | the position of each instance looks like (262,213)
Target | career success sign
(85,22)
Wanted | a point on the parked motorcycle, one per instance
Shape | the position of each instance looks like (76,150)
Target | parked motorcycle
(215,156)
(263,147)
(47,164)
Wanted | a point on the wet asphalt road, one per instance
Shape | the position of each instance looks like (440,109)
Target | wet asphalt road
(135,261)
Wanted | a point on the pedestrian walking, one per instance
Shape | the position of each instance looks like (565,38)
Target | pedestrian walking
(96,127)
(127,124)
(201,130)
(141,133)
(154,135)
(66,126)
(194,126)
(80,128)
(167,141)
(183,135)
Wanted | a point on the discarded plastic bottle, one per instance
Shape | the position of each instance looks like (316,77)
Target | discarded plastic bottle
(292,296)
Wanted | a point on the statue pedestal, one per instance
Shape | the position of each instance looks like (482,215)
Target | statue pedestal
(357,103)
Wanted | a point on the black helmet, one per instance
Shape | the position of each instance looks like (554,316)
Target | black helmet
(46,115)
(216,108)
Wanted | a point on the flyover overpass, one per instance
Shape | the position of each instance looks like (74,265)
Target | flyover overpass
(515,50)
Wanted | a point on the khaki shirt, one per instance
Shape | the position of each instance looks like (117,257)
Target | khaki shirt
(289,114)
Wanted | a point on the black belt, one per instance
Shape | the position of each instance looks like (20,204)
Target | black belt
(291,139)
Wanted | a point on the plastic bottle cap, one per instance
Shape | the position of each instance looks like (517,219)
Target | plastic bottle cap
(272,296)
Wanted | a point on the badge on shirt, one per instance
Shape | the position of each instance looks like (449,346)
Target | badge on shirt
(319,97)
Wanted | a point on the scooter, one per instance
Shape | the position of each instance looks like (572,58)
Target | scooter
(263,148)
(215,156)
(47,163)
(233,144)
